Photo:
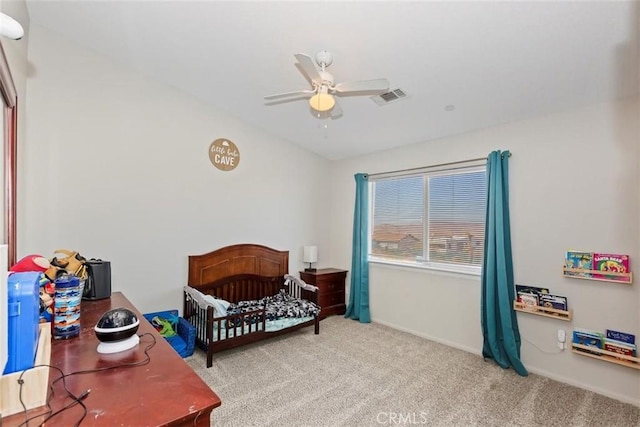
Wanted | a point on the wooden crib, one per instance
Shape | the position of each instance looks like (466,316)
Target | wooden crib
(238,273)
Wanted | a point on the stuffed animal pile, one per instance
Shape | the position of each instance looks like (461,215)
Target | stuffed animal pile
(69,263)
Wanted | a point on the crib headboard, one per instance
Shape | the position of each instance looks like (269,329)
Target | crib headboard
(237,260)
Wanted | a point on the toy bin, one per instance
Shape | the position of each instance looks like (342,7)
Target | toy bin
(24,320)
(185,339)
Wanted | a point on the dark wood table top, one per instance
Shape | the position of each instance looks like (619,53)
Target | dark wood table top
(163,392)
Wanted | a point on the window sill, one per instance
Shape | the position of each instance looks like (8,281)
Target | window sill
(444,268)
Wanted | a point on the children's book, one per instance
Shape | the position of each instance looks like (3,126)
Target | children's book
(526,289)
(579,260)
(621,336)
(530,301)
(620,347)
(611,262)
(528,295)
(588,338)
(554,301)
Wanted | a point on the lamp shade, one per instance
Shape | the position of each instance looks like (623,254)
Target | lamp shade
(310,254)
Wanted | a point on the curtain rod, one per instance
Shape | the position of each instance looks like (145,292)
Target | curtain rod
(426,167)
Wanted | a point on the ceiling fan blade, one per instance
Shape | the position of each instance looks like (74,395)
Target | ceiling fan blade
(308,68)
(286,100)
(295,93)
(376,85)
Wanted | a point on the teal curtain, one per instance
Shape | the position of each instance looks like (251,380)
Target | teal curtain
(499,322)
(358,308)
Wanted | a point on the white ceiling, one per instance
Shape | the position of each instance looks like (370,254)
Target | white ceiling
(494,62)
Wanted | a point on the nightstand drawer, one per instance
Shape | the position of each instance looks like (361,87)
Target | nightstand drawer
(327,300)
(329,287)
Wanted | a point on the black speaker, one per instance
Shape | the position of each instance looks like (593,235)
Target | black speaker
(98,283)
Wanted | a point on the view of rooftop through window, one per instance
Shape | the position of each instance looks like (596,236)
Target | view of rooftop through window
(437,218)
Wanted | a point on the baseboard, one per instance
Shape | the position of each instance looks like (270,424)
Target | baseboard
(533,370)
(431,338)
(620,397)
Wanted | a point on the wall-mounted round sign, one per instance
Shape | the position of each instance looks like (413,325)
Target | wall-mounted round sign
(224,154)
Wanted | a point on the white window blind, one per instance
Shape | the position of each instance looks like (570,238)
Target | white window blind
(433,218)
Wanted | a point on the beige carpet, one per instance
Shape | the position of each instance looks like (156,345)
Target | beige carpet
(371,375)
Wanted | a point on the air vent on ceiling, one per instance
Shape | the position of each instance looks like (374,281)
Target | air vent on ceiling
(389,97)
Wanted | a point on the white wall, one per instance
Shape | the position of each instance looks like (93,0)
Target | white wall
(573,185)
(116,166)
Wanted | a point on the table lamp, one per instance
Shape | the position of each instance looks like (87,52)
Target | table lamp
(310,256)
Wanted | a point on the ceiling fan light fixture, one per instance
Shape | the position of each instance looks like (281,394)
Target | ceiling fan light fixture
(322,102)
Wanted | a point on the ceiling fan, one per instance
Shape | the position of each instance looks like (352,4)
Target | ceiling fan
(323,87)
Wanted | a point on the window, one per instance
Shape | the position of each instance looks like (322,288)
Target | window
(433,219)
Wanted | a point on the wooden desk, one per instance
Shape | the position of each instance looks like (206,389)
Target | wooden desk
(164,392)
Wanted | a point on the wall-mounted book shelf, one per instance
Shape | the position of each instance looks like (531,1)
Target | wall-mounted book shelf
(543,311)
(579,273)
(607,356)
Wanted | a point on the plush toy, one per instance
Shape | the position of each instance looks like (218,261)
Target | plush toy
(31,263)
(37,263)
(47,293)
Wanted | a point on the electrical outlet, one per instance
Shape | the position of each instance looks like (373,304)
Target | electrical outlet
(562,337)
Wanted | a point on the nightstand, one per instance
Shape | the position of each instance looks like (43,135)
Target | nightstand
(330,283)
